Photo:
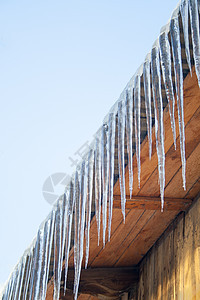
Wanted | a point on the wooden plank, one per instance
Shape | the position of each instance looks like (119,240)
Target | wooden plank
(179,260)
(147,236)
(194,190)
(160,272)
(150,267)
(152,203)
(196,236)
(189,264)
(170,267)
(141,284)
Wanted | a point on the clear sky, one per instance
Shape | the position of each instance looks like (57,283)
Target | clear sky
(63,65)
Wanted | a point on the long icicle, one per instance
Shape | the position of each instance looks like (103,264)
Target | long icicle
(129,135)
(194,21)
(176,50)
(60,230)
(121,133)
(28,274)
(50,244)
(45,258)
(147,92)
(185,21)
(36,268)
(20,279)
(57,249)
(137,101)
(165,54)
(65,208)
(89,202)
(104,157)
(159,130)
(69,229)
(77,226)
(37,274)
(14,282)
(82,225)
(98,185)
(111,154)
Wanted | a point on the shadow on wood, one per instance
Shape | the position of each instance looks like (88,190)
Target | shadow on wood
(102,282)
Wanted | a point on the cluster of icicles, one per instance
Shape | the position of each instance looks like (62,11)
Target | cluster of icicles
(94,178)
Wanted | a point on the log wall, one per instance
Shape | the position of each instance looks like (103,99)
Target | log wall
(171,269)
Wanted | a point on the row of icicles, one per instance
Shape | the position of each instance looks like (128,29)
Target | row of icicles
(30,277)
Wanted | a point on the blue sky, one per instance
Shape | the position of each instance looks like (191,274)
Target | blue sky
(63,65)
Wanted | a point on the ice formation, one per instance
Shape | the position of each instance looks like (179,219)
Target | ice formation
(147,92)
(137,122)
(114,146)
(129,134)
(121,136)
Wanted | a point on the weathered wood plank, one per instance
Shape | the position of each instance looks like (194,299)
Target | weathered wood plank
(179,260)
(189,263)
(174,261)
(196,236)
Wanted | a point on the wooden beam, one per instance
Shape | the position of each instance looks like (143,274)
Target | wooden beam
(152,203)
(106,282)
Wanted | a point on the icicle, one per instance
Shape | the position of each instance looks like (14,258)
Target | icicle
(14,282)
(20,280)
(158,108)
(6,292)
(176,50)
(194,20)
(147,91)
(129,134)
(98,185)
(137,122)
(60,232)
(104,157)
(57,250)
(89,202)
(68,229)
(121,133)
(49,249)
(77,226)
(47,244)
(111,153)
(184,16)
(19,268)
(81,228)
(28,273)
(165,55)
(36,269)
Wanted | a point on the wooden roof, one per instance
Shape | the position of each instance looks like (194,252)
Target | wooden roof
(145,222)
